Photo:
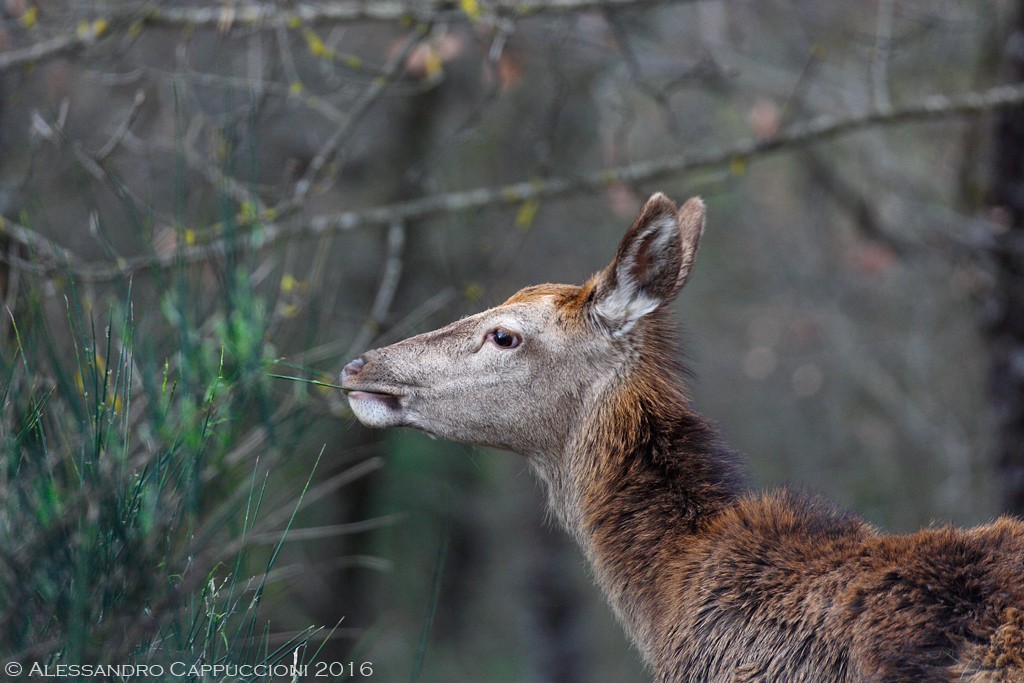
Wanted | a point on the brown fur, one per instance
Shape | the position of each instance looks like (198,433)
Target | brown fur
(712,582)
(783,587)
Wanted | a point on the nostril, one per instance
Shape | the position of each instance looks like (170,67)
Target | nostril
(352,368)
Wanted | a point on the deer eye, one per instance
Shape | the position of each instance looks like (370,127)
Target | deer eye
(503,338)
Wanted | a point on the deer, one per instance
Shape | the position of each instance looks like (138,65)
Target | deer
(712,580)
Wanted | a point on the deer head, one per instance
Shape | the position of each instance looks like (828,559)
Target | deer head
(519,376)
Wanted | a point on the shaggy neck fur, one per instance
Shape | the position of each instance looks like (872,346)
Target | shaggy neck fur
(639,480)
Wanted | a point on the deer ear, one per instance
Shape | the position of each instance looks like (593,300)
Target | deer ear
(652,264)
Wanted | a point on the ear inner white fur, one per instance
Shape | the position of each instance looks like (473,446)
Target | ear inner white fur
(652,263)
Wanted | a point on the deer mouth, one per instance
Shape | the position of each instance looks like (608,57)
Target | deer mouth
(390,399)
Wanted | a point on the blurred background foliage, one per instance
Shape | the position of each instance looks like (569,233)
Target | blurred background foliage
(197,198)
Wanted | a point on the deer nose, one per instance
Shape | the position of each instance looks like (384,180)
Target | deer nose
(353,368)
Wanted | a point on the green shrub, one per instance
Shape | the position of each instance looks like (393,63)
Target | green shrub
(127,492)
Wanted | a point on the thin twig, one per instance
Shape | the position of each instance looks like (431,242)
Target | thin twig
(343,133)
(385,291)
(122,130)
(880,56)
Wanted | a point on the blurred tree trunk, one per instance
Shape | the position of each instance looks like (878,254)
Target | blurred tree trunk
(1005,320)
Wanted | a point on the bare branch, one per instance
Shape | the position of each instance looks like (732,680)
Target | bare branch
(81,37)
(816,130)
(272,16)
(49,255)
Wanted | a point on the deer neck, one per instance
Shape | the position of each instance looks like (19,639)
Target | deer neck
(636,484)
